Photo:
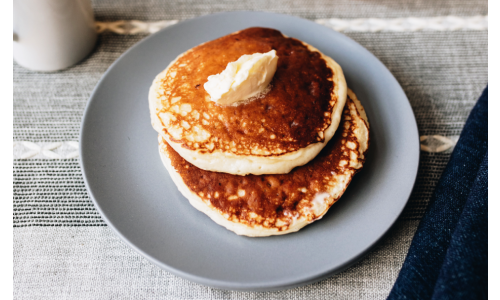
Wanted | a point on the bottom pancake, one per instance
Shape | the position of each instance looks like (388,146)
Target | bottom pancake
(263,205)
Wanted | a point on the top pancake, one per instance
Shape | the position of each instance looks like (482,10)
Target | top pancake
(283,129)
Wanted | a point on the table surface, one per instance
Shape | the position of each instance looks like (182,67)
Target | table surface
(64,250)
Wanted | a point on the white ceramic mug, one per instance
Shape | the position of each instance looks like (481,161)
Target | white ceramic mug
(51,35)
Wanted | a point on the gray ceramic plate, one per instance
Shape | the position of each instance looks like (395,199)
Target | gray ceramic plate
(136,197)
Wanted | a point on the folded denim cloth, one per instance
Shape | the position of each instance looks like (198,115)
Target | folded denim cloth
(448,257)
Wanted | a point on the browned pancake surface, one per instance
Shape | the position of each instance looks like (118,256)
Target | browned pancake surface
(267,198)
(291,116)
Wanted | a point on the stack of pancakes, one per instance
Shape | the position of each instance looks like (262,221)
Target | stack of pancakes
(267,166)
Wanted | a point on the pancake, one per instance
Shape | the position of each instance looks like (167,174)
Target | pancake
(263,205)
(271,134)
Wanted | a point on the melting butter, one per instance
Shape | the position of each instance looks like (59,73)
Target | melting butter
(242,79)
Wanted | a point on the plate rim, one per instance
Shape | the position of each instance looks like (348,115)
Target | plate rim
(275,285)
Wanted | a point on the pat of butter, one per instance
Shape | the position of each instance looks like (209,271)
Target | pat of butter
(242,79)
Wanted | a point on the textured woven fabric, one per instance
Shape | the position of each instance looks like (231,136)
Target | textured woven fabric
(107,10)
(93,263)
(448,256)
(63,249)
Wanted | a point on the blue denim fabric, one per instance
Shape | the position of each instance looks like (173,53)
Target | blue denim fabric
(465,267)
(448,255)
